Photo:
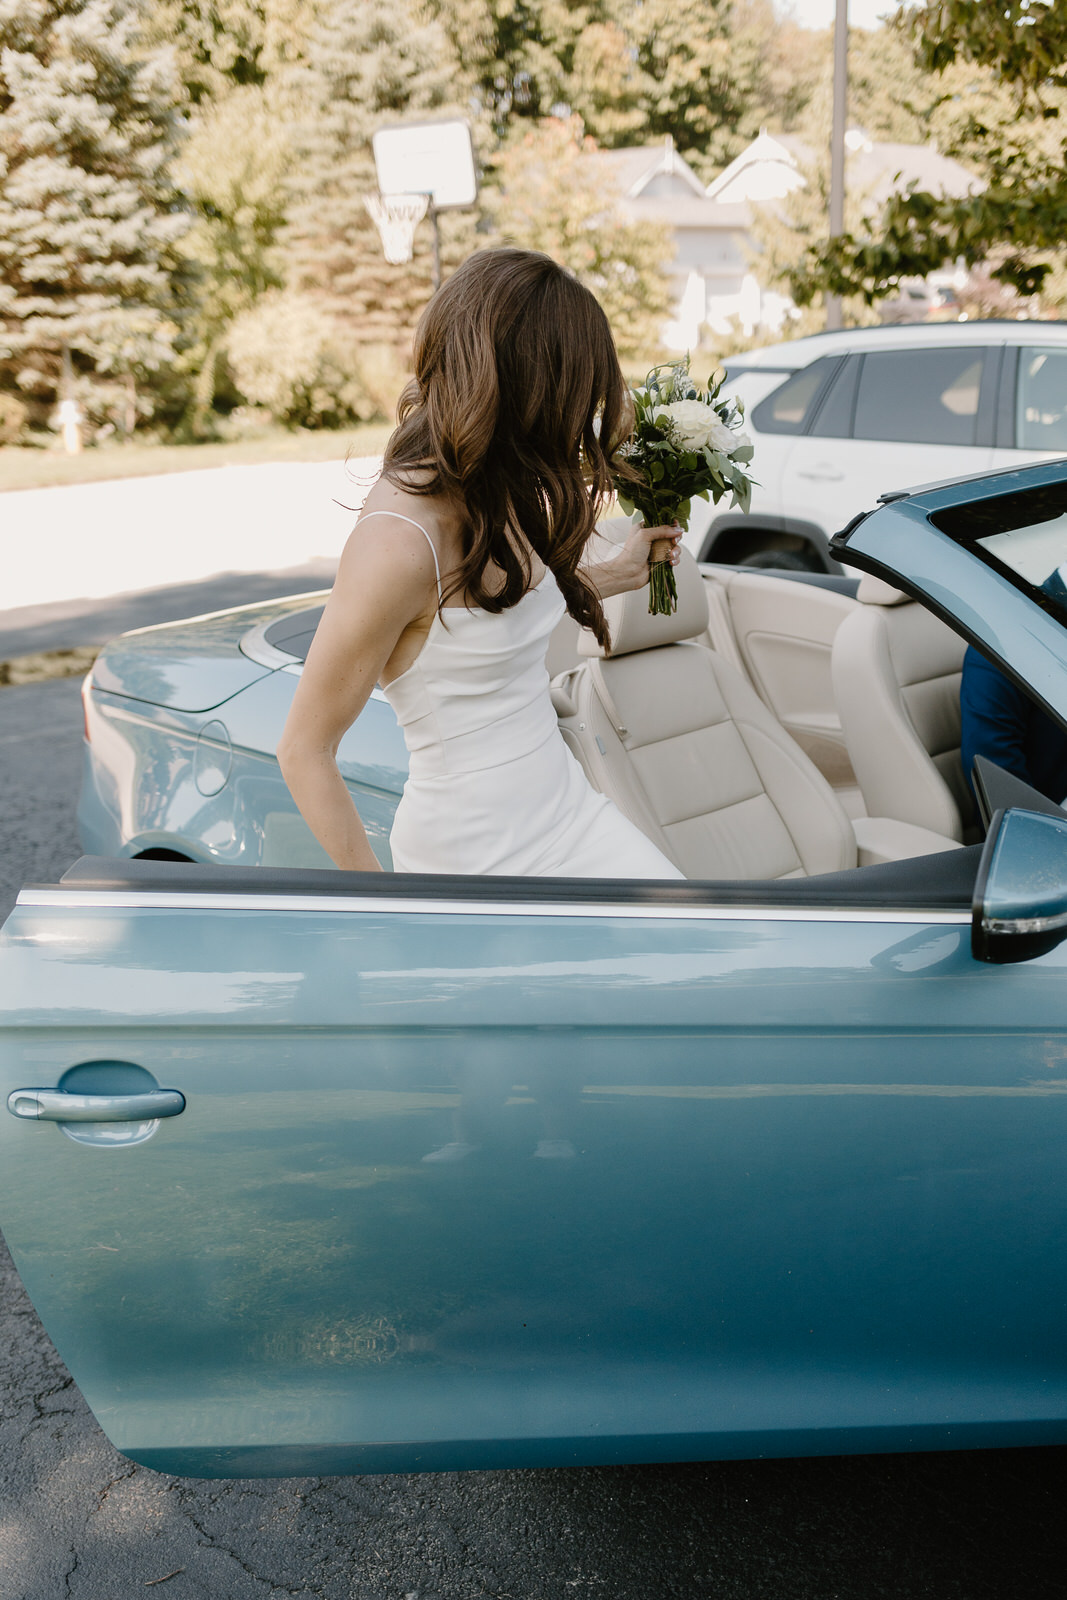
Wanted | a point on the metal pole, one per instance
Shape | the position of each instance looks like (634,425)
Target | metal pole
(837,145)
(436,246)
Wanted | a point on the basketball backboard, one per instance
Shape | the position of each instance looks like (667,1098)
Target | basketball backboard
(433,158)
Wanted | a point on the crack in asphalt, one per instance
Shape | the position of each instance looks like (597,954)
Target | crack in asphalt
(104,1494)
(58,1411)
(71,1570)
(207,1541)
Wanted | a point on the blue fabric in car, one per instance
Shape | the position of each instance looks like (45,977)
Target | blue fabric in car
(1002,723)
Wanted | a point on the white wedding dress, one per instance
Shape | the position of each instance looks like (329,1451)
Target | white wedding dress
(492,787)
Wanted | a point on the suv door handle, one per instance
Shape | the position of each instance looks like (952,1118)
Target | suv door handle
(55,1105)
(822,474)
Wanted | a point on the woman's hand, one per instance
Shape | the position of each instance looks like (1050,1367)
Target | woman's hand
(629,568)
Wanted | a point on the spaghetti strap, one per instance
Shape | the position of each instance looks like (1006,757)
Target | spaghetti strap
(400,517)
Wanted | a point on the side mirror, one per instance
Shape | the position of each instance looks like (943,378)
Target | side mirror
(1020,896)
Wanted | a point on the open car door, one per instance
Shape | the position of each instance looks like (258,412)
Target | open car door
(324,1173)
(986,555)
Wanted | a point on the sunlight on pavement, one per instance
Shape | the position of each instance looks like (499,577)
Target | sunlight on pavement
(94,539)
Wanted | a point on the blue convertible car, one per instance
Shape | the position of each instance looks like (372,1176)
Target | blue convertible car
(317,1172)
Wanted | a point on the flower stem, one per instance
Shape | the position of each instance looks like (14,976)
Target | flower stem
(662,589)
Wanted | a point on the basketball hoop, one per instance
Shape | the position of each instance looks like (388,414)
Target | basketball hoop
(396,216)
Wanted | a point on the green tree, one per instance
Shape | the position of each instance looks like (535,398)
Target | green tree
(1004,98)
(890,96)
(701,76)
(707,72)
(370,62)
(234,171)
(551,197)
(89,218)
(224,44)
(513,54)
(892,99)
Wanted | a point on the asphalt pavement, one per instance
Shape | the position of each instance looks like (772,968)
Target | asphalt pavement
(79,1521)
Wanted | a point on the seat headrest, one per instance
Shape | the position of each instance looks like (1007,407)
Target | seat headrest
(876,592)
(632,628)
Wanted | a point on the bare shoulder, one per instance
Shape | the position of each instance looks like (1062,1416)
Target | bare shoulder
(399,519)
(403,521)
(391,527)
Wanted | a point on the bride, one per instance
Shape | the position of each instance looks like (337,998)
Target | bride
(466,555)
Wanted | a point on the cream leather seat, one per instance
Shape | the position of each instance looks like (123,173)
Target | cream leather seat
(896,675)
(682,743)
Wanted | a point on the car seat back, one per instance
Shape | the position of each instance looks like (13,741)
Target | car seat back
(677,737)
(896,676)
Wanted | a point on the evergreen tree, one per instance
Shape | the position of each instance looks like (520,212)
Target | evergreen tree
(370,62)
(88,215)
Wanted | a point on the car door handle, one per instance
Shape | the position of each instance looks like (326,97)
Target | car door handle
(821,474)
(55,1105)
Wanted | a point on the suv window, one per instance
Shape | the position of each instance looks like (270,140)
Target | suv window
(920,396)
(1041,399)
(833,420)
(789,407)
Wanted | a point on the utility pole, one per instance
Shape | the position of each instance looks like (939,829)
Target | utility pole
(837,146)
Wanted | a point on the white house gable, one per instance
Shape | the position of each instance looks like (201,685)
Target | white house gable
(767,170)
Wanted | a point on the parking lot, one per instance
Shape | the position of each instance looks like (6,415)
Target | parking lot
(77,1519)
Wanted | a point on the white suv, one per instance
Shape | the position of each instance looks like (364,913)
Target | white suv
(841,418)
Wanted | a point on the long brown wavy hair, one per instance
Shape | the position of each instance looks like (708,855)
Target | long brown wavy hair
(516,409)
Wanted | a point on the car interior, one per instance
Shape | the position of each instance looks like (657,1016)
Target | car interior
(681,741)
(780,726)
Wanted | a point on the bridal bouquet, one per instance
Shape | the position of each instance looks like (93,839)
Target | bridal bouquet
(686,443)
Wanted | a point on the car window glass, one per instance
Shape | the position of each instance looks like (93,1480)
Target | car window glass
(1041,400)
(919,396)
(788,408)
(833,420)
(1023,535)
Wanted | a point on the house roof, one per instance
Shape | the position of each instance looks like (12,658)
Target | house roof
(634,167)
(767,153)
(875,169)
(880,169)
(656,184)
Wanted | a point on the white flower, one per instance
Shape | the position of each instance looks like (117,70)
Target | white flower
(693,424)
(722,438)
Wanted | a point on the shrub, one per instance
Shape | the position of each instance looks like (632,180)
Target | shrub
(287,353)
(13,418)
